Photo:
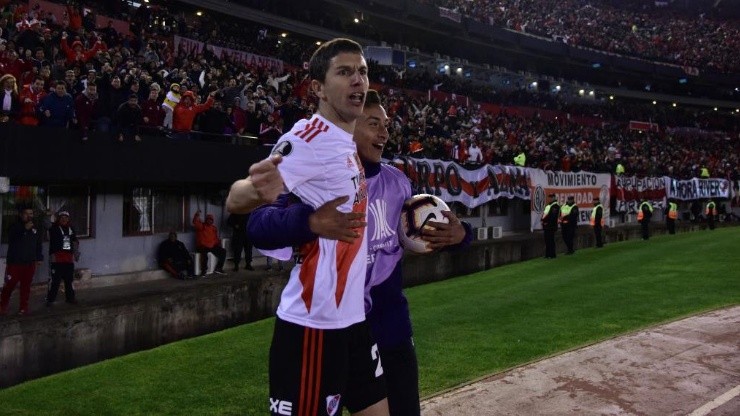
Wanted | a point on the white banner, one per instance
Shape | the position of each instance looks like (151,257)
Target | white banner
(631,191)
(450,14)
(583,186)
(452,182)
(697,188)
(194,47)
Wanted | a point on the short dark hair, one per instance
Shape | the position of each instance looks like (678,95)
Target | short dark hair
(319,63)
(372,98)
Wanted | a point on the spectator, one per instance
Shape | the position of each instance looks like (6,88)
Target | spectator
(24,254)
(57,109)
(214,122)
(475,156)
(128,119)
(207,241)
(63,253)
(152,112)
(87,108)
(169,104)
(185,112)
(270,132)
(174,258)
(10,103)
(77,54)
(30,98)
(240,241)
(112,95)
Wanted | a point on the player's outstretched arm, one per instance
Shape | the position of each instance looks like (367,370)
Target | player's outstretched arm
(440,235)
(262,186)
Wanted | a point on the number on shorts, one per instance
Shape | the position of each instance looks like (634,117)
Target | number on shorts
(376,355)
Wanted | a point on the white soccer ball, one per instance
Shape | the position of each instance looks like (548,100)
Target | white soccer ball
(416,212)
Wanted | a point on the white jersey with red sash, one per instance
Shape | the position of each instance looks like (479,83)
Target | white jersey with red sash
(326,287)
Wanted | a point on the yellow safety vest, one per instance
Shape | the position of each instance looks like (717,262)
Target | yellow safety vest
(593,215)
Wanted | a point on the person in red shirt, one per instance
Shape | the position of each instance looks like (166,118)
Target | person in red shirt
(207,240)
(152,112)
(87,108)
(77,53)
(30,98)
(185,112)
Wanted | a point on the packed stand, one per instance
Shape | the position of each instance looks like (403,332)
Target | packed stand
(472,137)
(700,42)
(89,78)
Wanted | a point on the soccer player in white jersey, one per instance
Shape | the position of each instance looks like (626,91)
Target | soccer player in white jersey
(322,356)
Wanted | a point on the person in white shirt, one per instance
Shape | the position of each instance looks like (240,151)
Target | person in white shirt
(474,153)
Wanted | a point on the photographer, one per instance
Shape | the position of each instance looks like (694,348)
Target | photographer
(63,253)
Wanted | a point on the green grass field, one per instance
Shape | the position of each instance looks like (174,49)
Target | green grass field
(466,328)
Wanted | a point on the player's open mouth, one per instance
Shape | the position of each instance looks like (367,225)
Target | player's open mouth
(378,146)
(357,98)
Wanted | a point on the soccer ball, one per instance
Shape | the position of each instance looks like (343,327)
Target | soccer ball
(416,212)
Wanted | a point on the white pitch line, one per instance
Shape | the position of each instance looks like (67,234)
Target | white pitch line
(719,401)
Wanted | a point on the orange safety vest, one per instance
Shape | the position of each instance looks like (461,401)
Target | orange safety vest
(711,209)
(672,211)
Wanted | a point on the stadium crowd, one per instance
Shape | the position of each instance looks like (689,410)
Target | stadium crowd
(699,41)
(71,73)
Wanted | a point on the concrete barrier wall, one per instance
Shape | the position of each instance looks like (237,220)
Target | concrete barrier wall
(34,346)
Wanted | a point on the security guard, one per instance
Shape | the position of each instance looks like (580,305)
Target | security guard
(710,212)
(672,216)
(569,223)
(520,159)
(597,221)
(550,225)
(644,213)
(619,170)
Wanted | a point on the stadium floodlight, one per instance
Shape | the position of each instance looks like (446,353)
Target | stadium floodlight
(533,85)
(674,104)
(357,20)
(318,43)
(581,92)
(715,108)
(285,35)
(557,87)
(591,93)
(611,97)
(199,13)
(459,70)
(447,67)
(655,102)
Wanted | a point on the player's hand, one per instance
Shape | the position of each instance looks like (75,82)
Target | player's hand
(266,178)
(328,222)
(439,234)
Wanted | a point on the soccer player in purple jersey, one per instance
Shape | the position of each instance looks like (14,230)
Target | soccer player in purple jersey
(289,223)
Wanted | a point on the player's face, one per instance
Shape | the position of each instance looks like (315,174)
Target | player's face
(371,133)
(342,93)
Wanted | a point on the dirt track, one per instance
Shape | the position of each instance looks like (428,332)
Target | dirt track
(691,365)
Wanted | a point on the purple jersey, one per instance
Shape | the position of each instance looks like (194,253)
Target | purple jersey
(387,192)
